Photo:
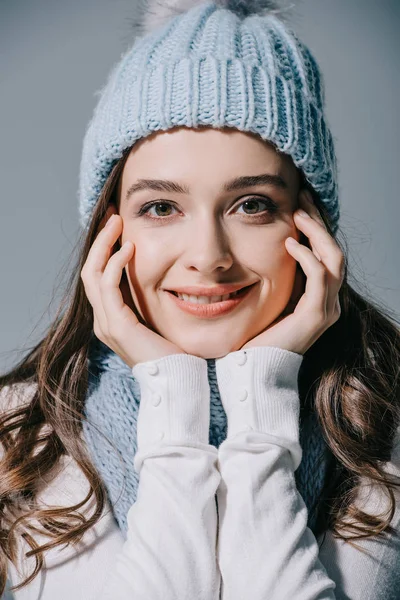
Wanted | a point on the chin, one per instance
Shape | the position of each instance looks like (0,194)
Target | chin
(208,350)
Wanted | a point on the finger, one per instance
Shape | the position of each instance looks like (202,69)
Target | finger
(307,203)
(330,254)
(126,292)
(96,261)
(116,310)
(328,250)
(111,210)
(315,294)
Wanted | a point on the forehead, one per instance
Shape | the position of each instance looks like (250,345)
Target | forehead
(217,155)
(207,138)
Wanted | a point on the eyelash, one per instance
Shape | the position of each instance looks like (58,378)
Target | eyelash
(272,208)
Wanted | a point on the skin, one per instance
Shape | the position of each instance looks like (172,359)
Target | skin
(208,237)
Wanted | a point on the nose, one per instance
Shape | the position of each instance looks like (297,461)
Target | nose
(208,247)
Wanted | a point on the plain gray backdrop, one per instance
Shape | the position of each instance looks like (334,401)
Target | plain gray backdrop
(55,56)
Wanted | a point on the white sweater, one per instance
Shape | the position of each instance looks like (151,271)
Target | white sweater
(258,545)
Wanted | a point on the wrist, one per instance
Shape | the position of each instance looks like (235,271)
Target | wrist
(174,400)
(259,390)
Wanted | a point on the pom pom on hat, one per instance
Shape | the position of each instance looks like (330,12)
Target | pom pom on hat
(157,13)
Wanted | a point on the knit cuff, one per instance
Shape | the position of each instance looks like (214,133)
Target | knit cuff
(174,400)
(259,392)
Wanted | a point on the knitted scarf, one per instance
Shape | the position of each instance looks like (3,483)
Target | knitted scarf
(112,405)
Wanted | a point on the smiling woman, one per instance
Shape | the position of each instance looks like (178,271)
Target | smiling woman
(208,238)
(188,445)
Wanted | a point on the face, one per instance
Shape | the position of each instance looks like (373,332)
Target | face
(208,235)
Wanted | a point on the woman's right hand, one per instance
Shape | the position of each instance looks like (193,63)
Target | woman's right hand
(115,324)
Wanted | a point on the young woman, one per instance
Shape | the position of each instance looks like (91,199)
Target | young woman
(214,411)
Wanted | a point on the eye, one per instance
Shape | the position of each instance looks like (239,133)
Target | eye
(144,210)
(250,204)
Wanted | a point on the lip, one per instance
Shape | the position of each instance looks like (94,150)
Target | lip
(217,290)
(214,309)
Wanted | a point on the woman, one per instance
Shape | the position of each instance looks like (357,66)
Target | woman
(306,369)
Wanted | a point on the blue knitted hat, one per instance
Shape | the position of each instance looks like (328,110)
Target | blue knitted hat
(226,63)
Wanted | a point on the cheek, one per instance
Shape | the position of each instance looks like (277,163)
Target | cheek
(272,261)
(263,255)
(148,262)
(277,269)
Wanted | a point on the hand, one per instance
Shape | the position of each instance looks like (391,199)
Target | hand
(319,306)
(115,323)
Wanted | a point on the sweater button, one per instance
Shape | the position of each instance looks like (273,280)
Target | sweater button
(243,395)
(159,436)
(152,369)
(155,399)
(241,358)
(247,428)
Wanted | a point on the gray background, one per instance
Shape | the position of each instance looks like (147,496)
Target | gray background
(55,55)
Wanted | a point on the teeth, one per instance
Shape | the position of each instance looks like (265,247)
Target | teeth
(206,299)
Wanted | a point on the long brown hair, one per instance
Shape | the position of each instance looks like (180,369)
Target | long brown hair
(349,377)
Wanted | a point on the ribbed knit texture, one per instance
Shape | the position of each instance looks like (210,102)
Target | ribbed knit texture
(211,66)
(112,405)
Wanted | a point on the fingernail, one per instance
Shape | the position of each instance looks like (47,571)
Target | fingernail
(302,213)
(111,219)
(292,241)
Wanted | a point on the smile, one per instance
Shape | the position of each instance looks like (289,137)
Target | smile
(211,306)
(206,299)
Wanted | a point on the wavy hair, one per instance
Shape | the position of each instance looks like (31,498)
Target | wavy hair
(349,377)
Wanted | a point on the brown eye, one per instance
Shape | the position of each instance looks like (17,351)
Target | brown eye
(162,213)
(252,203)
(252,207)
(144,210)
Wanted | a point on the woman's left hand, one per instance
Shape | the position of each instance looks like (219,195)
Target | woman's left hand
(319,306)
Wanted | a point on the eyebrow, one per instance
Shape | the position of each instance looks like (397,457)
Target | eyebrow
(239,183)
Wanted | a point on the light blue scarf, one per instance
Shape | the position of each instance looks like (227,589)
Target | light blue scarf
(112,404)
